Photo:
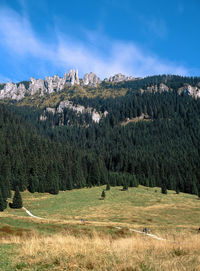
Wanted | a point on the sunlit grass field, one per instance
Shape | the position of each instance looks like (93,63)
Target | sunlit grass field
(61,241)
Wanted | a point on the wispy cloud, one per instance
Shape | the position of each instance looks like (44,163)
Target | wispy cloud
(96,53)
(156,26)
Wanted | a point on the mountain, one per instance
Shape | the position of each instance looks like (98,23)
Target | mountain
(53,84)
(144,130)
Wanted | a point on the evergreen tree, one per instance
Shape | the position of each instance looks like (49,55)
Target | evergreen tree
(17,199)
(2,202)
(177,190)
(125,186)
(103,194)
(108,186)
(199,191)
(163,189)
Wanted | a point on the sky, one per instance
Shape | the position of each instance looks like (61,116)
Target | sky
(41,38)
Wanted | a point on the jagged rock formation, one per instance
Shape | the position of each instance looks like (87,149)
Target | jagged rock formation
(11,90)
(193,91)
(155,88)
(55,84)
(91,80)
(48,85)
(37,85)
(71,78)
(96,116)
(119,78)
(188,89)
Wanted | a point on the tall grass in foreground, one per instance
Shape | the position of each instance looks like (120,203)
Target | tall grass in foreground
(139,252)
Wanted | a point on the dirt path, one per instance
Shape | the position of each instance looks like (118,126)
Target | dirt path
(148,234)
(30,214)
(119,228)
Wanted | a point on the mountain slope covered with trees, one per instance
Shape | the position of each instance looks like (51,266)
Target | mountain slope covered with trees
(68,150)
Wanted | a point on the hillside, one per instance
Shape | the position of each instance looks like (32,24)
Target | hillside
(103,241)
(65,144)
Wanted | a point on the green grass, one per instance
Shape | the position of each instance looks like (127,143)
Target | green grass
(137,207)
(6,251)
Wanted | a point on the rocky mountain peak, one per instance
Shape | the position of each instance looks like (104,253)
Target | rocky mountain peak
(119,77)
(91,79)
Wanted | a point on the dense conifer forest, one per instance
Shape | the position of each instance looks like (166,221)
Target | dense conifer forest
(162,150)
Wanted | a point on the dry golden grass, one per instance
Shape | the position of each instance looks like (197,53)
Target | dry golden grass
(62,242)
(99,252)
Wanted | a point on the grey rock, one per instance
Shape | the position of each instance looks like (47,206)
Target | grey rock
(157,88)
(193,91)
(37,85)
(120,77)
(91,80)
(80,109)
(71,78)
(13,92)
(163,87)
(54,84)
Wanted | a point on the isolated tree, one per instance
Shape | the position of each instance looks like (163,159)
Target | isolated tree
(103,194)
(2,203)
(164,189)
(199,192)
(125,186)
(17,199)
(108,186)
(177,190)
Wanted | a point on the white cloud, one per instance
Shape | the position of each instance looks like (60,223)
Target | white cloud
(103,56)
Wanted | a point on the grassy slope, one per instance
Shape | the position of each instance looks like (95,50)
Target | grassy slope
(137,207)
(51,100)
(166,215)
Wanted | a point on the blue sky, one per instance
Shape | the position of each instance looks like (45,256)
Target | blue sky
(136,37)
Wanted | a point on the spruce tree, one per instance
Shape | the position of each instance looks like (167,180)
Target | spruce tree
(103,194)
(17,199)
(2,203)
(177,190)
(108,186)
(125,186)
(164,189)
(199,192)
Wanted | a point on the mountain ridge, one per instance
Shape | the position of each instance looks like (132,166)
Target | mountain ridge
(92,86)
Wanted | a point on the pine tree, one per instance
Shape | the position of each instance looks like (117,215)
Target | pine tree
(108,186)
(125,186)
(2,203)
(103,194)
(17,199)
(177,190)
(164,189)
(199,191)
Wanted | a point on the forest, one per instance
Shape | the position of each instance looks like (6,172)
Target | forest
(70,151)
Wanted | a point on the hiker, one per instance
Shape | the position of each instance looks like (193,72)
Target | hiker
(145,230)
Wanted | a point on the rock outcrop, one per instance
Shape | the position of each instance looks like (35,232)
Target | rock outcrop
(91,79)
(190,90)
(156,88)
(71,78)
(13,92)
(37,85)
(80,109)
(120,77)
(48,85)
(54,84)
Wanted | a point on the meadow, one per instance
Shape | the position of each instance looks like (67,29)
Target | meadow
(79,231)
